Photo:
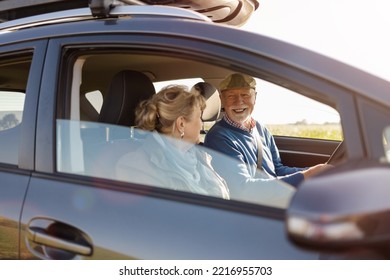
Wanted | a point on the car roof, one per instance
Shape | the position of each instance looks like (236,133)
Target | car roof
(231,12)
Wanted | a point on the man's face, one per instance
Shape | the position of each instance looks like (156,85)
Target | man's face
(239,103)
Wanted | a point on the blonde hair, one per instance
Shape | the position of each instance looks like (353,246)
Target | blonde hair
(162,110)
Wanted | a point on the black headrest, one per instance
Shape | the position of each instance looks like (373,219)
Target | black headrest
(126,90)
(213,102)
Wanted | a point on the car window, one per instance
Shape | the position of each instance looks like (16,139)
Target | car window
(95,98)
(95,131)
(186,82)
(13,74)
(11,109)
(287,113)
(150,159)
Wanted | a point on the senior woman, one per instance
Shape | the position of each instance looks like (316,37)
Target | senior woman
(168,156)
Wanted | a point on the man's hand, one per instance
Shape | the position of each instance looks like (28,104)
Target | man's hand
(314,170)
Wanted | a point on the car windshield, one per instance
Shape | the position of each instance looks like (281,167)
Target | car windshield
(146,158)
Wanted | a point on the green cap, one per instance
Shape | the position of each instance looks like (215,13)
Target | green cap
(237,80)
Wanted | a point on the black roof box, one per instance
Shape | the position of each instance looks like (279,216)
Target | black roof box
(232,12)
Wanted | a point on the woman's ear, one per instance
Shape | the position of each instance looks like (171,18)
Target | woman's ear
(180,123)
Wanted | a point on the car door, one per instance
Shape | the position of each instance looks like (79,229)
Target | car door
(72,214)
(20,68)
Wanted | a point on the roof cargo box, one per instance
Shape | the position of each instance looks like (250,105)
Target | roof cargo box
(231,12)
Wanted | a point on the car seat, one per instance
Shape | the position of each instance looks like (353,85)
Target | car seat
(212,111)
(104,144)
(127,89)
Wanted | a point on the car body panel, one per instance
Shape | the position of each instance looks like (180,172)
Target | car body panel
(12,194)
(123,224)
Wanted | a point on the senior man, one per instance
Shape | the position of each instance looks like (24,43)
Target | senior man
(240,136)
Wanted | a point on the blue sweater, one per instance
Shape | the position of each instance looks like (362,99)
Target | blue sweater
(242,145)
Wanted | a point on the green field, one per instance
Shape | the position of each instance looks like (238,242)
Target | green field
(318,131)
(8,239)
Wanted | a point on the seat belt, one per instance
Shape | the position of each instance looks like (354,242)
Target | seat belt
(259,149)
(260,155)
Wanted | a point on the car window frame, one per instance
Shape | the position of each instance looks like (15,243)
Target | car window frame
(26,139)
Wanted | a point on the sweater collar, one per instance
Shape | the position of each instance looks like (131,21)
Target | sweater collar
(239,125)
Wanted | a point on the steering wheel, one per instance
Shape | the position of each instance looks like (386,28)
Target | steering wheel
(338,154)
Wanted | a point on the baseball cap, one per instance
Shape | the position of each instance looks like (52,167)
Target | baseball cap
(237,80)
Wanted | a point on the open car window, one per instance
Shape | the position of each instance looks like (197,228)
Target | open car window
(130,155)
(287,113)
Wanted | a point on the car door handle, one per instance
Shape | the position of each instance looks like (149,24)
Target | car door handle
(42,238)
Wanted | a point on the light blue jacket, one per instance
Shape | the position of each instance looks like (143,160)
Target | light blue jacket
(157,162)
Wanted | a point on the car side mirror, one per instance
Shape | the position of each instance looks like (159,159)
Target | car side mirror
(342,210)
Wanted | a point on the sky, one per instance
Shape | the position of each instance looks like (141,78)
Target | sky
(354,32)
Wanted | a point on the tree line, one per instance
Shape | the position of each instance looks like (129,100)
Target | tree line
(8,121)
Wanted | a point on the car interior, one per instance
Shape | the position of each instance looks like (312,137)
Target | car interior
(129,78)
(118,80)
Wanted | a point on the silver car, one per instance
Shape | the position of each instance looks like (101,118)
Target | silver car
(69,82)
